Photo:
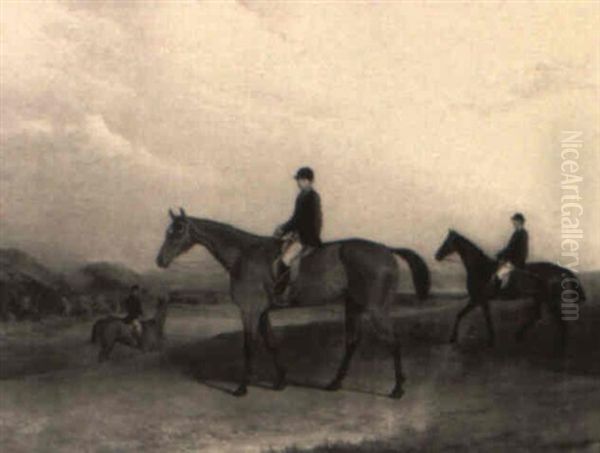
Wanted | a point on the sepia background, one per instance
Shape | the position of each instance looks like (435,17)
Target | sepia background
(416,116)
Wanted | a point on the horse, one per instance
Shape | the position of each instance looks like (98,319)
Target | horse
(542,281)
(362,273)
(112,329)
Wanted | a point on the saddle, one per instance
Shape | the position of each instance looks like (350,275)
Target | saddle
(517,283)
(285,276)
(294,267)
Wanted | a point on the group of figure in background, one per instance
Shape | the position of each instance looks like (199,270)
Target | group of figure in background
(135,312)
(301,234)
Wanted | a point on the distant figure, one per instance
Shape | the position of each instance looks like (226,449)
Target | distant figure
(301,233)
(111,330)
(515,253)
(133,307)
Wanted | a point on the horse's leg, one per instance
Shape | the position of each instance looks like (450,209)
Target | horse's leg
(536,314)
(470,306)
(380,317)
(485,307)
(560,344)
(353,337)
(250,322)
(271,344)
(385,332)
(106,348)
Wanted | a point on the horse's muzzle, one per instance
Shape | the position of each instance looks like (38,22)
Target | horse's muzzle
(160,262)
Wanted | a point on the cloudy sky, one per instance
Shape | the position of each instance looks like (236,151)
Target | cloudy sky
(416,117)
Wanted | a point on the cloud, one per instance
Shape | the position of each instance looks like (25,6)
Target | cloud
(535,82)
(114,111)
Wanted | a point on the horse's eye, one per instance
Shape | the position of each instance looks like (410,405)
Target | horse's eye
(177,229)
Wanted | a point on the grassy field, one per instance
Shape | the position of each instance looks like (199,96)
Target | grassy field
(520,397)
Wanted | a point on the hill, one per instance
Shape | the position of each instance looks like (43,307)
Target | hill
(16,265)
(28,288)
(103,277)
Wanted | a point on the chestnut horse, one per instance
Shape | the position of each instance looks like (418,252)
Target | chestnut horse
(364,274)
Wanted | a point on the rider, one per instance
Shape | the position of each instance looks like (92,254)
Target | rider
(515,253)
(301,233)
(133,306)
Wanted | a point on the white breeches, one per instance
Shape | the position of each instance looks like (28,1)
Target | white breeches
(291,252)
(503,272)
(136,325)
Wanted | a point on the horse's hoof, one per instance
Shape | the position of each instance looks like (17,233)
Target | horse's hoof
(397,393)
(240,391)
(280,385)
(281,382)
(333,386)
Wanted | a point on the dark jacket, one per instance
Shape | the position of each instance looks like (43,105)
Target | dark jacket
(307,219)
(133,306)
(516,249)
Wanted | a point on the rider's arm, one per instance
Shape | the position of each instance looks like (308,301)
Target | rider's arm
(514,245)
(292,223)
(501,254)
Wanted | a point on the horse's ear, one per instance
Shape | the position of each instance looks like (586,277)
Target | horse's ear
(182,212)
(172,214)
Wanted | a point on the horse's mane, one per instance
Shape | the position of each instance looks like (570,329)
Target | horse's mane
(474,248)
(230,229)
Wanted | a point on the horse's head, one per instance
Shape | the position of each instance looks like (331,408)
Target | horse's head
(448,247)
(178,239)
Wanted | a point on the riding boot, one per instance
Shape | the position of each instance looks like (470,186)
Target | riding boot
(493,287)
(510,292)
(282,279)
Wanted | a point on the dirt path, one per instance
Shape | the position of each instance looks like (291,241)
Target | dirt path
(512,397)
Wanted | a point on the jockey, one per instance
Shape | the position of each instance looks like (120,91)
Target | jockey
(301,233)
(133,306)
(515,253)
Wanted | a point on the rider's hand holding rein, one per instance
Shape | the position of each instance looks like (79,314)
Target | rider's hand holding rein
(278,233)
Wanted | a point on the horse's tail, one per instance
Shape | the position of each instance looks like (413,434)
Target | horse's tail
(581,292)
(420,271)
(574,284)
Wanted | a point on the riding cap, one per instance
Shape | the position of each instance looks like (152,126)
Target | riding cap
(305,173)
(518,216)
